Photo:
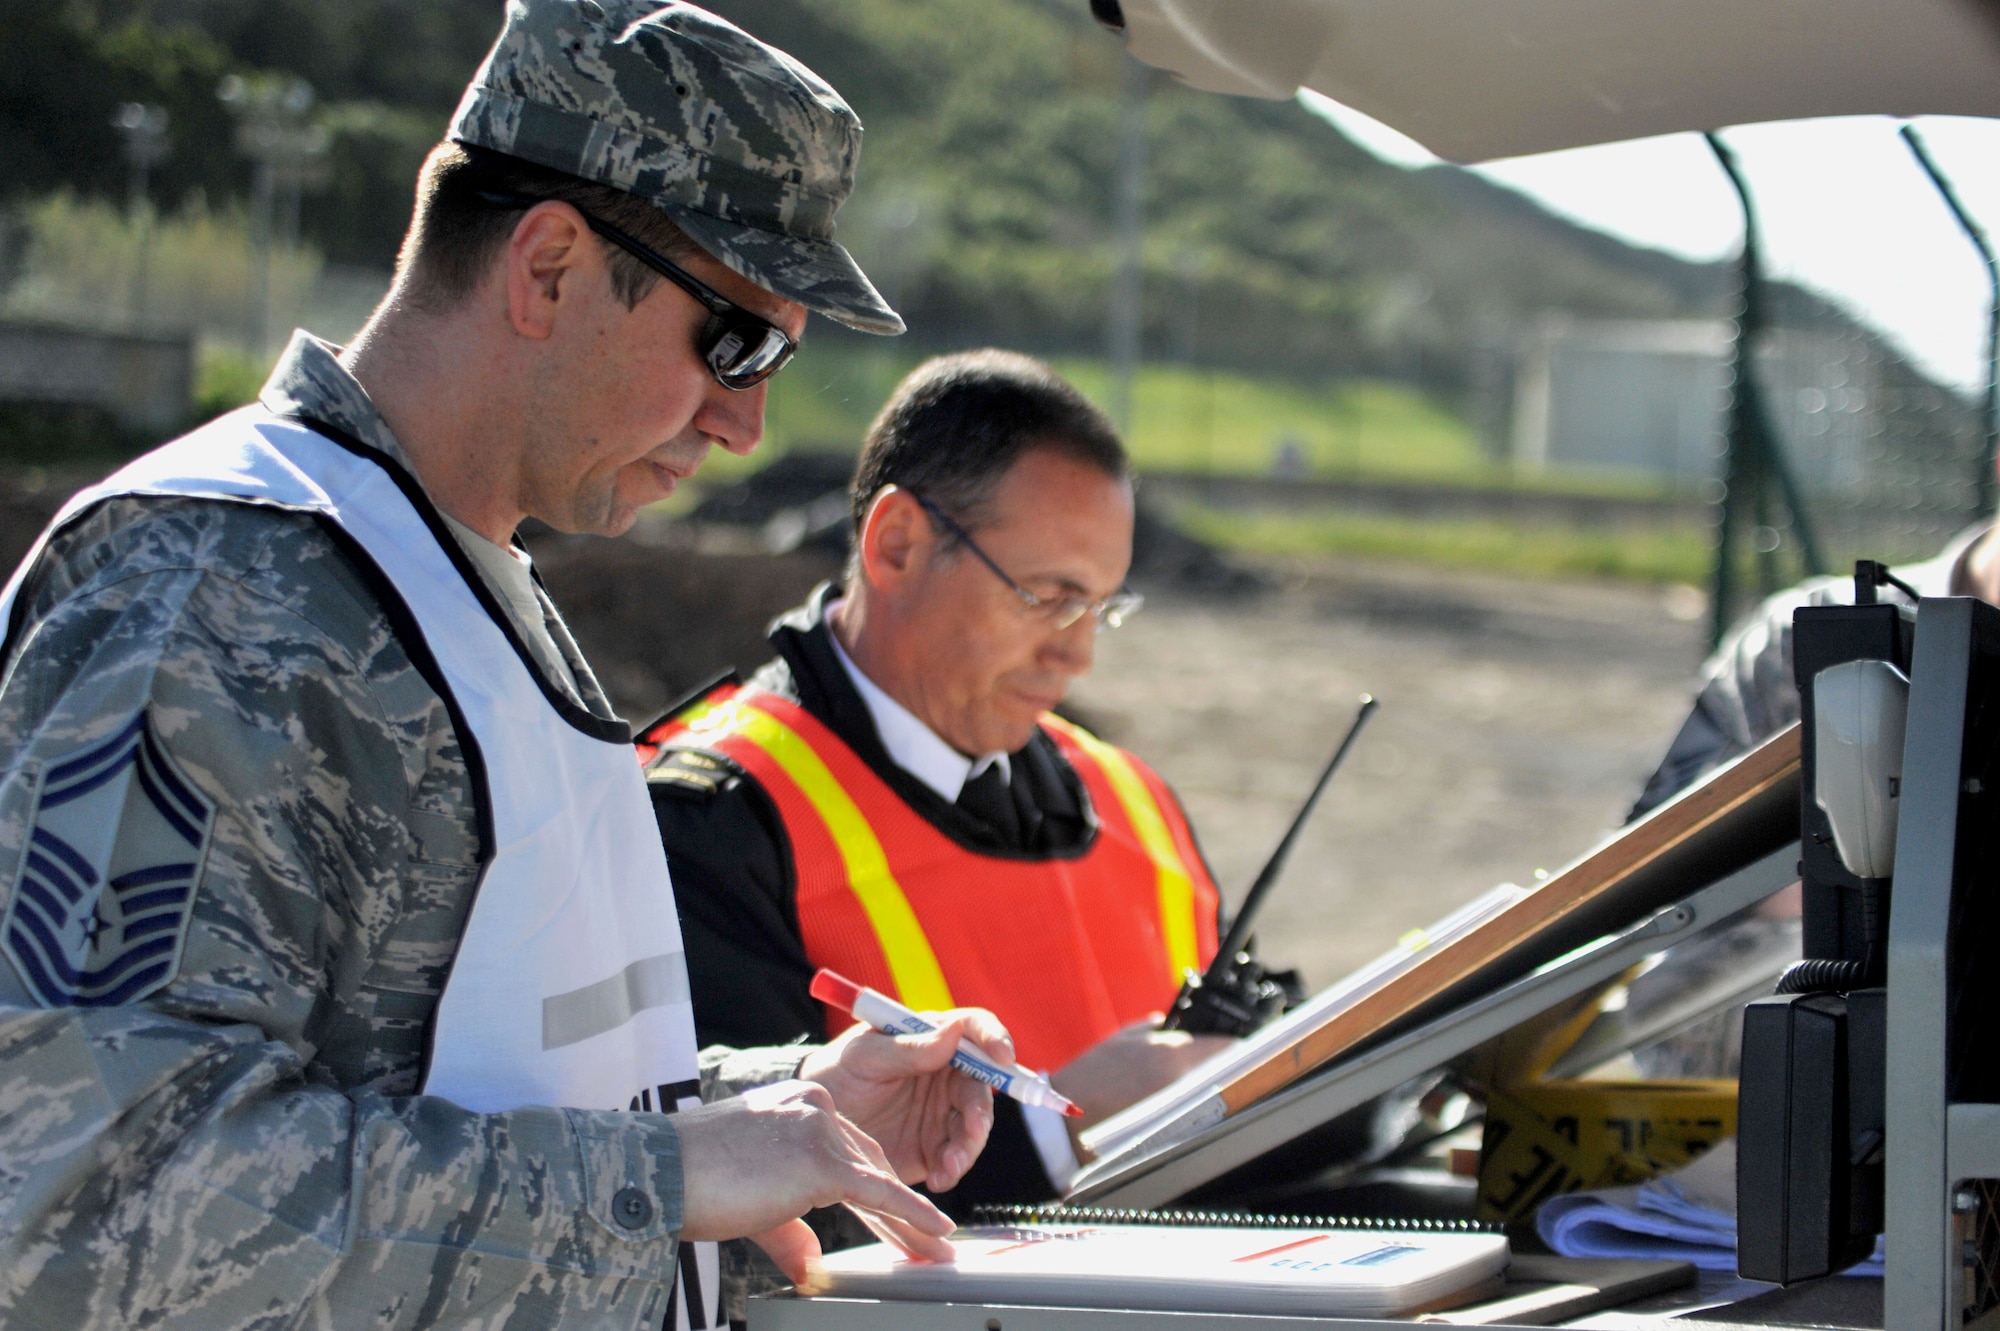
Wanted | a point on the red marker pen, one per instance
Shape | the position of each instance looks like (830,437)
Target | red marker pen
(887,1015)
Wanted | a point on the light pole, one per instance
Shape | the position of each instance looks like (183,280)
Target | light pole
(1129,226)
(144,129)
(290,156)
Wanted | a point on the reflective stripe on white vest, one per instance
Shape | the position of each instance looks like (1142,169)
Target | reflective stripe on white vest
(569,986)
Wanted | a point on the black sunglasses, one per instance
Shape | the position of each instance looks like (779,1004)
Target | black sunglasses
(741,349)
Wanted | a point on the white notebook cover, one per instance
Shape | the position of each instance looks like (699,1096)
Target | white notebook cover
(1166,1268)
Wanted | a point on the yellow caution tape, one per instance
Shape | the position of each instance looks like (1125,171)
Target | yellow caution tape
(1547,1138)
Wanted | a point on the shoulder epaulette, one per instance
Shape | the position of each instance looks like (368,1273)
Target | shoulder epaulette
(656,734)
(692,773)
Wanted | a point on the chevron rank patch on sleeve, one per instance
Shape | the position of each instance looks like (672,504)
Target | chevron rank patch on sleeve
(104,892)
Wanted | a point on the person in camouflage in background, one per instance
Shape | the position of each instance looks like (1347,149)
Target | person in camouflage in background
(1747,691)
(241,829)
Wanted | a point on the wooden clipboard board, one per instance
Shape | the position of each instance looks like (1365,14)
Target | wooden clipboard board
(1756,798)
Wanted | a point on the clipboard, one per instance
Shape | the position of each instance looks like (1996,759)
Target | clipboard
(1720,846)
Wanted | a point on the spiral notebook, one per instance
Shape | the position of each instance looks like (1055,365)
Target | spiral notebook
(1301,1269)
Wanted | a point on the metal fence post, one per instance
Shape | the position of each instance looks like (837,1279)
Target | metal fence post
(1752,461)
(1989,439)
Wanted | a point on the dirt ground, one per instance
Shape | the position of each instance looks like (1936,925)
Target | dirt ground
(1518,719)
(1518,722)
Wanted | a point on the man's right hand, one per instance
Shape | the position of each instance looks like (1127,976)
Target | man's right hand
(753,1164)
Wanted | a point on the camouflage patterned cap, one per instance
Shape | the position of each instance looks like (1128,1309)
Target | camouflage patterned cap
(745,148)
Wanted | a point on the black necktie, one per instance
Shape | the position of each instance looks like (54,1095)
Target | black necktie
(987,798)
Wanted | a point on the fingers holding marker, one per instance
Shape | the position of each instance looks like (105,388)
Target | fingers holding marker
(984,1030)
(970,1126)
(886,1014)
(952,1031)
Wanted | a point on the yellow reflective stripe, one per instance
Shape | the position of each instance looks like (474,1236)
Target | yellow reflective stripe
(688,719)
(919,979)
(694,715)
(1175,886)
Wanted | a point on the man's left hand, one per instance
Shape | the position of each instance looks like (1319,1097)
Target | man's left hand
(1129,1065)
(930,1121)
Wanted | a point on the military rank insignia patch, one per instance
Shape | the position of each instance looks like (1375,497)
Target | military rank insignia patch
(104,893)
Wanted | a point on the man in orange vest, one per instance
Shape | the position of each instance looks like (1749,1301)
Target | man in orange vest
(894,798)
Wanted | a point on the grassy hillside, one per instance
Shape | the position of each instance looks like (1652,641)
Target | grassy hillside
(1187,418)
(1288,275)
(1272,243)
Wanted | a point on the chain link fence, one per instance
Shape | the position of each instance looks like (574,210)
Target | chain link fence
(1886,462)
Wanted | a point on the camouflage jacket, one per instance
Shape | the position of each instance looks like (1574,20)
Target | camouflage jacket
(215,1124)
(1747,691)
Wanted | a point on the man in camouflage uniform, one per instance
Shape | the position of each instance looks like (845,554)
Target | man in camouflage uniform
(217,984)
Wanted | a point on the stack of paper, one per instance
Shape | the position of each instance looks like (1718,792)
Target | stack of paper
(1167,1268)
(1689,1215)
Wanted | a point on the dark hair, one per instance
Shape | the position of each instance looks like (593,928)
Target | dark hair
(455,233)
(956,424)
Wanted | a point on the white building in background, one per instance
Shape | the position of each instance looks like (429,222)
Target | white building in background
(1886,459)
(1636,396)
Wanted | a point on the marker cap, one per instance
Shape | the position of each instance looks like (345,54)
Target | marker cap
(836,990)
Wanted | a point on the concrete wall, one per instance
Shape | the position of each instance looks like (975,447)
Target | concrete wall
(147,382)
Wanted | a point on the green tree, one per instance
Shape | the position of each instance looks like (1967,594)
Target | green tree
(69,67)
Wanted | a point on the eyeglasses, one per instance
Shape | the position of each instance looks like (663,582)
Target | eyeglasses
(1060,611)
(741,349)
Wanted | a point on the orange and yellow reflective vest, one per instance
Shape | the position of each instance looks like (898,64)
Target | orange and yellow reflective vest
(1065,950)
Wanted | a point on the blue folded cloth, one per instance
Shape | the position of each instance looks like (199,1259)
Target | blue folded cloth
(1689,1216)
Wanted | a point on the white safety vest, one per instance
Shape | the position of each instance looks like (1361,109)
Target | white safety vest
(569,987)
